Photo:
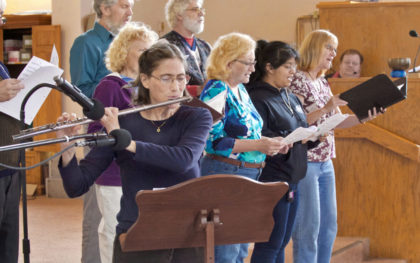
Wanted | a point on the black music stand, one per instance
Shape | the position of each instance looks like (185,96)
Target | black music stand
(203,212)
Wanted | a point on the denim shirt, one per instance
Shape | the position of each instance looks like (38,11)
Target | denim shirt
(87,66)
(241,121)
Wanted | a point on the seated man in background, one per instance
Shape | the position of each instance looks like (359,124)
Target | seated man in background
(350,65)
(186,18)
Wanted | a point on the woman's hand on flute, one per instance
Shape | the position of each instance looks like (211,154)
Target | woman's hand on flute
(110,119)
(67,155)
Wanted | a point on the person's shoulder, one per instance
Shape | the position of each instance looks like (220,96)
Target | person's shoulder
(216,84)
(212,88)
(171,36)
(299,80)
(203,43)
(111,81)
(258,90)
(85,40)
(299,75)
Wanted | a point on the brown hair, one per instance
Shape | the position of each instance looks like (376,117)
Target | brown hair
(352,52)
(149,61)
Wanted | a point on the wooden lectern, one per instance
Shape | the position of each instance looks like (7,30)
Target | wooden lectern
(203,212)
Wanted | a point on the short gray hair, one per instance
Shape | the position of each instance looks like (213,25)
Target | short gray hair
(176,7)
(97,5)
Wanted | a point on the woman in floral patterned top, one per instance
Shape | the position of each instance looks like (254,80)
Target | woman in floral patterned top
(235,144)
(316,220)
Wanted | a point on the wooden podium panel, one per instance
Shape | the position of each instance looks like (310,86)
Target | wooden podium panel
(378,177)
(378,30)
(173,217)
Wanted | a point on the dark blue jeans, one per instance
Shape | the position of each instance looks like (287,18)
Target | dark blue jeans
(284,217)
(9,217)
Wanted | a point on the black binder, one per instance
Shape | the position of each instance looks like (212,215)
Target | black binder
(377,92)
(194,102)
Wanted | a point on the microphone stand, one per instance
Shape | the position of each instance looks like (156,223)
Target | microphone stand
(25,145)
(22,175)
(415,59)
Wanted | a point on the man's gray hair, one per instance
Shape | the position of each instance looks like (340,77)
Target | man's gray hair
(176,7)
(97,5)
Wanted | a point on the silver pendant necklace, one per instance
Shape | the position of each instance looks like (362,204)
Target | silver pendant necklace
(287,103)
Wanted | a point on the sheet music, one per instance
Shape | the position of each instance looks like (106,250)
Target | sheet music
(37,71)
(218,102)
(330,123)
(55,60)
(300,134)
(312,132)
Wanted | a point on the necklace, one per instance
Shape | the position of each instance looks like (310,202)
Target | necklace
(288,104)
(158,126)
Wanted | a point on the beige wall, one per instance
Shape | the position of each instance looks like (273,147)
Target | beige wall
(268,19)
(277,21)
(14,6)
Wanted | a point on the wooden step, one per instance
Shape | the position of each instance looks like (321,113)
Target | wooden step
(350,249)
(346,250)
(385,260)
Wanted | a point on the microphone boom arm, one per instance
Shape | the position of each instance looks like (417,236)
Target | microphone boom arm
(415,59)
(25,145)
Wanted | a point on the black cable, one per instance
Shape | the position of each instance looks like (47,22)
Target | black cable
(40,163)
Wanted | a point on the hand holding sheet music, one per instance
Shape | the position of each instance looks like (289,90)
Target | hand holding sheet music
(35,72)
(312,133)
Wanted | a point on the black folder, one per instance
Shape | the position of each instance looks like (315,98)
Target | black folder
(377,92)
(194,102)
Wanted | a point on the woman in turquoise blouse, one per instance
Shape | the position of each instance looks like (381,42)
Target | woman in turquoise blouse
(235,144)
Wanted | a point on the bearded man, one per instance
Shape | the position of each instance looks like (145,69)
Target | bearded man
(186,18)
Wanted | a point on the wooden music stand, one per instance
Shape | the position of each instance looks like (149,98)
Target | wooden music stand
(203,212)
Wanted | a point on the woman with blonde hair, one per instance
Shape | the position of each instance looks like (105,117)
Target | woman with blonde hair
(122,60)
(316,219)
(235,145)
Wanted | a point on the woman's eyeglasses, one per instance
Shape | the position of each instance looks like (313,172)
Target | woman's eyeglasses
(246,63)
(168,80)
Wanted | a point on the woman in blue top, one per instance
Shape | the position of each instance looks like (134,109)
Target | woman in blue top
(235,144)
(165,150)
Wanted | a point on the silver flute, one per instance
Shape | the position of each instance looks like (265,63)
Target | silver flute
(29,133)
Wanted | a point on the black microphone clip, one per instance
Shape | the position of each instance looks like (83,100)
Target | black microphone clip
(119,139)
(92,108)
(413,33)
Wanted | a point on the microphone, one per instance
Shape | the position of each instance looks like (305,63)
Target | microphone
(92,108)
(119,140)
(413,33)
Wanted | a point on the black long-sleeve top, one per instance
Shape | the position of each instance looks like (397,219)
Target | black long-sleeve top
(279,120)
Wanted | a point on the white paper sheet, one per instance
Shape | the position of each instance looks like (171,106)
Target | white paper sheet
(55,60)
(218,102)
(300,134)
(331,123)
(37,71)
(313,132)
